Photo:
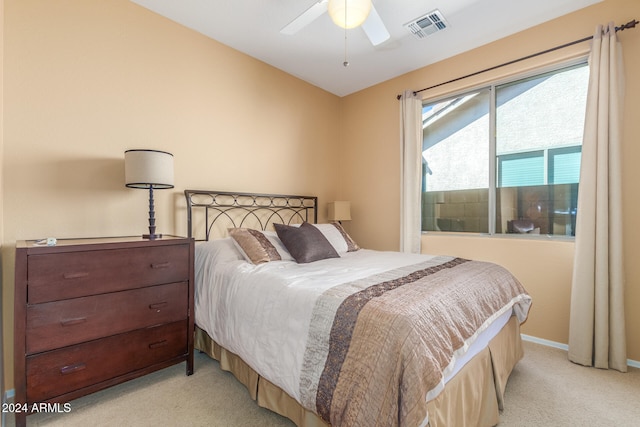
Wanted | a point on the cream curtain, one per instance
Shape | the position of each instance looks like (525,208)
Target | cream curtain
(411,169)
(597,329)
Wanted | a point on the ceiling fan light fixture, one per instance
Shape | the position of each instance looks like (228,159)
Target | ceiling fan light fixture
(349,13)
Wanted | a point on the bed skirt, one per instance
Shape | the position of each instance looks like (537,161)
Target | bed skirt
(473,397)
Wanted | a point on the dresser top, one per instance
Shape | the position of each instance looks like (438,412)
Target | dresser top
(40,246)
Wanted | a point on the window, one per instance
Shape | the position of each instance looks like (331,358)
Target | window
(506,158)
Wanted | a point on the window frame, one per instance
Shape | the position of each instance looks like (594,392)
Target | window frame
(493,158)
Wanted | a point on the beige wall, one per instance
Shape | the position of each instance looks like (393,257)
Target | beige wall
(371,177)
(86,80)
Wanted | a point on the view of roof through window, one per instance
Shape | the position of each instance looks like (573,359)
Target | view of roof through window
(535,114)
(537,146)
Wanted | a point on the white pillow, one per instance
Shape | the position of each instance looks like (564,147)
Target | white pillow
(218,250)
(338,237)
(277,243)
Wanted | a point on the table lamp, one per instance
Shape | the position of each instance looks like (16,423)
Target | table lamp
(149,169)
(339,211)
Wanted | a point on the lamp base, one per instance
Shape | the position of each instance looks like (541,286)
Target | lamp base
(152,236)
(152,219)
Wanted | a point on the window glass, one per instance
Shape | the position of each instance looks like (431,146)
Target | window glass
(515,170)
(534,126)
(564,165)
(455,151)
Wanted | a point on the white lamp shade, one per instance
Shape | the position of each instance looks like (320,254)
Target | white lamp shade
(339,211)
(148,168)
(356,12)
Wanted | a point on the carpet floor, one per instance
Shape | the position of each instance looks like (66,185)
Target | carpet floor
(545,389)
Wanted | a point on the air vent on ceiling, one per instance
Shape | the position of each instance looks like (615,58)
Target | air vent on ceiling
(427,24)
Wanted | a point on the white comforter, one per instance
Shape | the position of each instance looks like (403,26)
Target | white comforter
(262,312)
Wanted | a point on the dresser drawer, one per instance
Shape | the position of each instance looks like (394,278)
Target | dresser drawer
(56,276)
(61,371)
(61,323)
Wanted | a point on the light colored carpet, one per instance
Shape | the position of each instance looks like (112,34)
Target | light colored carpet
(544,390)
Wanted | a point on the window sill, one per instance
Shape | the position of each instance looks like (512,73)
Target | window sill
(509,236)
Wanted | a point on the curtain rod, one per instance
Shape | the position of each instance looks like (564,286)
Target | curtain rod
(630,24)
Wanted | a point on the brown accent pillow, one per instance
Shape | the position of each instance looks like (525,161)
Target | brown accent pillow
(254,245)
(305,243)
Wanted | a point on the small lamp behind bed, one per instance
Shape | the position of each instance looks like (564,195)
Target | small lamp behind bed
(149,169)
(339,211)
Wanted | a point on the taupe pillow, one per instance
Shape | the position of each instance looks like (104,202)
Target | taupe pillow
(305,243)
(254,245)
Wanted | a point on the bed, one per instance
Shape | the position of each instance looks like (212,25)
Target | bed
(324,332)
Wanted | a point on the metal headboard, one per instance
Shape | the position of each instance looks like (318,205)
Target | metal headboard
(215,211)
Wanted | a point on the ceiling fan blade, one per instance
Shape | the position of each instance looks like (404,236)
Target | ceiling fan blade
(306,18)
(374,28)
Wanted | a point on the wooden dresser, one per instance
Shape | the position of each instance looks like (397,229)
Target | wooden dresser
(92,313)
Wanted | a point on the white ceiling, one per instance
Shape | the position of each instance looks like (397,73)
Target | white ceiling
(316,53)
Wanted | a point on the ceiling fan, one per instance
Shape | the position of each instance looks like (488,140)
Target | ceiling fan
(342,12)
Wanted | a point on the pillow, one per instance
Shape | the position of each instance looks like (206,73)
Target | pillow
(277,243)
(254,245)
(305,243)
(338,237)
(218,251)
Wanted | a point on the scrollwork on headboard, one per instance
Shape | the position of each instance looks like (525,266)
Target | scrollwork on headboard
(211,213)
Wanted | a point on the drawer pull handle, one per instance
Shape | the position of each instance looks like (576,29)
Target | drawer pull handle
(158,305)
(78,275)
(158,344)
(160,265)
(72,368)
(71,322)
